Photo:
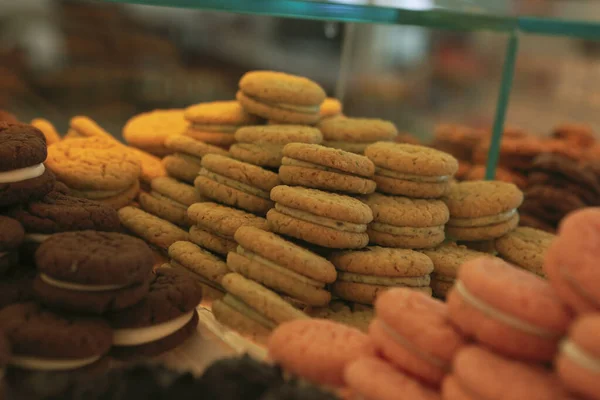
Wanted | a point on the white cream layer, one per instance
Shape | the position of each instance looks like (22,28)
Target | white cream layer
(579,356)
(22,174)
(216,128)
(482,221)
(138,336)
(411,177)
(410,281)
(234,184)
(290,107)
(36,237)
(162,197)
(496,314)
(319,220)
(77,286)
(49,364)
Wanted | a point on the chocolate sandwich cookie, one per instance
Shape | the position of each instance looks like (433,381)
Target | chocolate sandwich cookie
(263,145)
(97,169)
(23,176)
(11,237)
(187,160)
(406,223)
(215,226)
(482,210)
(282,266)
(321,218)
(112,271)
(281,97)
(83,127)
(525,247)
(252,309)
(44,340)
(169,200)
(320,167)
(411,170)
(16,286)
(207,268)
(162,320)
(355,134)
(447,259)
(366,273)
(236,183)
(148,131)
(47,129)
(216,122)
(8,117)
(156,231)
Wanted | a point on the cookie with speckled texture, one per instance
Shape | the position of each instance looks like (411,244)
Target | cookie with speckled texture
(47,129)
(154,230)
(223,220)
(206,265)
(483,233)
(119,200)
(182,167)
(525,247)
(148,131)
(355,133)
(210,241)
(165,208)
(192,147)
(177,191)
(152,166)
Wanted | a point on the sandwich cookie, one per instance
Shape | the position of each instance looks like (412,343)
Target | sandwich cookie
(339,311)
(331,107)
(364,274)
(482,210)
(148,131)
(112,271)
(281,97)
(152,166)
(447,259)
(319,167)
(83,127)
(236,183)
(156,231)
(207,268)
(321,218)
(406,223)
(263,145)
(23,176)
(43,340)
(16,285)
(251,309)
(355,134)
(216,122)
(578,361)
(187,160)
(525,247)
(411,170)
(47,129)
(11,237)
(215,225)
(165,318)
(487,304)
(414,332)
(97,169)
(282,266)
(169,199)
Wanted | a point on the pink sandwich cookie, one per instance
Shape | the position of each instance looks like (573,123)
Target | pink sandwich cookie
(514,312)
(374,379)
(318,350)
(578,362)
(413,331)
(571,262)
(479,374)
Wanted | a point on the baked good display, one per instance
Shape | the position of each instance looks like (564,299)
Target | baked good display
(187,160)
(148,131)
(158,232)
(355,134)
(525,247)
(152,166)
(206,267)
(169,199)
(11,237)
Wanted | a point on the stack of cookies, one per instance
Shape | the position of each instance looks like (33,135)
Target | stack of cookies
(355,134)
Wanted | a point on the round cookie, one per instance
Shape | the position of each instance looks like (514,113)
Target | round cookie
(263,145)
(11,237)
(84,127)
(318,350)
(282,266)
(47,129)
(281,97)
(406,223)
(365,274)
(23,176)
(411,170)
(169,200)
(112,198)
(236,183)
(42,340)
(331,107)
(148,131)
(321,218)
(486,304)
(207,267)
(525,247)
(168,308)
(319,167)
(355,134)
(152,166)
(113,271)
(154,230)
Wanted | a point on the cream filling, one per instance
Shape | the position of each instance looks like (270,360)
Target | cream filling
(507,319)
(189,158)
(323,221)
(405,230)
(49,364)
(138,336)
(482,221)
(36,237)
(411,177)
(304,164)
(282,270)
(289,107)
(166,199)
(438,362)
(579,356)
(241,307)
(216,128)
(22,174)
(235,184)
(77,286)
(384,280)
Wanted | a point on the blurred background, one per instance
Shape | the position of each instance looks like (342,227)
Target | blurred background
(62,58)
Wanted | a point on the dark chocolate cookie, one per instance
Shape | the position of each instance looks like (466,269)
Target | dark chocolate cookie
(8,117)
(4,351)
(16,287)
(550,197)
(23,191)
(7,261)
(21,146)
(570,169)
(534,222)
(11,234)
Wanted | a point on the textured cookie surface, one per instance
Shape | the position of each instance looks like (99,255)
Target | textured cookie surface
(482,198)
(525,247)
(231,196)
(198,261)
(381,261)
(152,128)
(178,191)
(21,146)
(357,130)
(278,134)
(412,159)
(220,113)
(196,148)
(240,171)
(280,87)
(325,180)
(223,219)
(404,211)
(11,233)
(155,230)
(332,158)
(448,257)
